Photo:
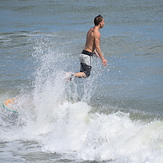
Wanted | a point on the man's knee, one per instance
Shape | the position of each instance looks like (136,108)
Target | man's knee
(87,74)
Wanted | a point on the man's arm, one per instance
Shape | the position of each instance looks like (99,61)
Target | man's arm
(98,49)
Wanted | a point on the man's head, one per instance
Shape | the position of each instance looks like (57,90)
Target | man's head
(99,21)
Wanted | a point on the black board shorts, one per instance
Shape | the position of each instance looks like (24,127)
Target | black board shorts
(85,68)
(85,62)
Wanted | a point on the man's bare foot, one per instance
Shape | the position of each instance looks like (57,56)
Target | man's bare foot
(69,76)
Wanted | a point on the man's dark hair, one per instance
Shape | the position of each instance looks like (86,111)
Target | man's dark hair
(97,20)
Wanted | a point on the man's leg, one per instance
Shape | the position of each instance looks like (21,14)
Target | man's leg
(80,75)
(70,76)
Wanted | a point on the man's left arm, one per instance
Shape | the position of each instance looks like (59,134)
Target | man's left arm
(98,49)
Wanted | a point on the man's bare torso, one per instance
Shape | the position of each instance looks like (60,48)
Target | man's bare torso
(90,40)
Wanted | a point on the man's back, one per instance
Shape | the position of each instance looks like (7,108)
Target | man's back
(90,40)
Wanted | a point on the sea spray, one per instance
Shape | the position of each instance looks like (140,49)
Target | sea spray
(57,115)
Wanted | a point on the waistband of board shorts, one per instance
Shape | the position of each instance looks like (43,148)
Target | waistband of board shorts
(87,53)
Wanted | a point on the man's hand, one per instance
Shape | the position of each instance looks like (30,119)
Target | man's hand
(104,62)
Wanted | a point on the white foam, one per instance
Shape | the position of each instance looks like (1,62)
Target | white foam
(52,116)
(103,137)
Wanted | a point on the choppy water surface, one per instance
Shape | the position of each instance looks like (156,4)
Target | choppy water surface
(113,116)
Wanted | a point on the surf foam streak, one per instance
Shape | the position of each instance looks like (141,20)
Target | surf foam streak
(61,121)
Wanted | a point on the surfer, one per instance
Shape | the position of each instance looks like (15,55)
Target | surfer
(92,48)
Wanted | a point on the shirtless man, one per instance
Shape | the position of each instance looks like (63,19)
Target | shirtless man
(92,45)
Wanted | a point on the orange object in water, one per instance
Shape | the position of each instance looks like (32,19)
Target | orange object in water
(8,104)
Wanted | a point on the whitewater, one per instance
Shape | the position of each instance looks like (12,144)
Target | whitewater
(57,116)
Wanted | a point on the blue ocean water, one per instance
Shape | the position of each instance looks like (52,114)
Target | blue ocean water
(113,116)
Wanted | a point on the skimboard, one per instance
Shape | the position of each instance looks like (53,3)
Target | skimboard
(9,105)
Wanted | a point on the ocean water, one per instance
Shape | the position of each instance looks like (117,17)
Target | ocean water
(114,116)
